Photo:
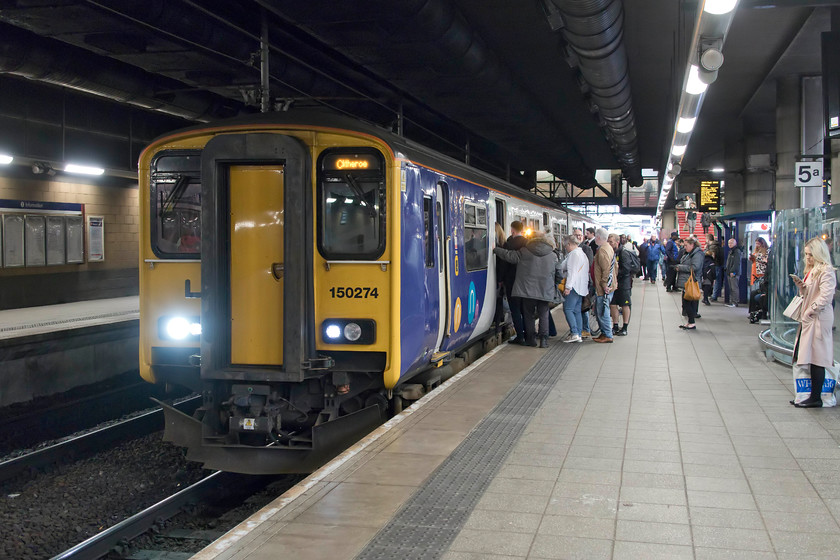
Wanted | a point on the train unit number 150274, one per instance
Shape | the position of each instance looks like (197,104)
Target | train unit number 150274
(354,293)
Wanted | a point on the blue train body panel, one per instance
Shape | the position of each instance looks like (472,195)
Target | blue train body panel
(467,258)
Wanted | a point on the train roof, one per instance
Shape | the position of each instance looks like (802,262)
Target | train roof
(401,146)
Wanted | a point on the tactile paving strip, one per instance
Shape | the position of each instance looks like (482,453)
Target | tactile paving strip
(432,518)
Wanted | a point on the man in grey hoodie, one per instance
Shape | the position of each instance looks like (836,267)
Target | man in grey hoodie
(536,265)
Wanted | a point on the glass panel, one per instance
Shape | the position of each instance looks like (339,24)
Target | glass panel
(469,215)
(427,232)
(178,215)
(75,240)
(13,237)
(476,248)
(55,240)
(351,222)
(791,230)
(35,241)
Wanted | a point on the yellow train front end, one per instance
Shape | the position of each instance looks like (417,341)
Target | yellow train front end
(267,285)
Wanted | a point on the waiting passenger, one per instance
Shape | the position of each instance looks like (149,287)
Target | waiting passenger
(590,294)
(733,272)
(692,260)
(814,341)
(620,302)
(577,286)
(536,264)
(605,283)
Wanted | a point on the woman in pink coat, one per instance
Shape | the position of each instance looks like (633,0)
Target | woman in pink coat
(814,343)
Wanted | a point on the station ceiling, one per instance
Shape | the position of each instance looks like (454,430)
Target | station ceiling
(494,79)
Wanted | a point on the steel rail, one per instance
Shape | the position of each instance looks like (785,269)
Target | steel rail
(137,426)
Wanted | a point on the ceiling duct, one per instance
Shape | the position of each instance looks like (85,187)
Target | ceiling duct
(36,58)
(595,31)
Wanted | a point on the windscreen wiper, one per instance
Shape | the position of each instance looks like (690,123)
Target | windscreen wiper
(175,195)
(357,190)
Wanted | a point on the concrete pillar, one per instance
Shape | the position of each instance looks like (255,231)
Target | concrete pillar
(733,179)
(758,171)
(788,132)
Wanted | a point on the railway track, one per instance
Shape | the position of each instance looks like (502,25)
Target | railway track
(90,442)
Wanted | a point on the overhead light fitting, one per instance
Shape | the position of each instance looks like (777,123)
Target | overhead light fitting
(717,170)
(685,125)
(83,169)
(6,159)
(678,150)
(694,85)
(719,7)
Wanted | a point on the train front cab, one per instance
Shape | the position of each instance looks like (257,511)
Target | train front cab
(270,272)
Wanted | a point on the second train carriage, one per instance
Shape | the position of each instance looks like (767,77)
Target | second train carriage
(300,273)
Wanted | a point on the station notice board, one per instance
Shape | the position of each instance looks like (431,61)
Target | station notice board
(709,195)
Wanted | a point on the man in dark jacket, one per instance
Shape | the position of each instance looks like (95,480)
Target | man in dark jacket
(643,255)
(672,259)
(733,272)
(508,274)
(621,297)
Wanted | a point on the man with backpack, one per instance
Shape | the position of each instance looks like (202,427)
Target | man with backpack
(628,265)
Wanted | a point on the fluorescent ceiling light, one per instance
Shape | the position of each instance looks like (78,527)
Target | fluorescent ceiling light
(695,86)
(648,172)
(718,170)
(678,150)
(83,169)
(719,7)
(685,125)
(6,160)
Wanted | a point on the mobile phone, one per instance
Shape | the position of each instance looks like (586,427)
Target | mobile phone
(795,277)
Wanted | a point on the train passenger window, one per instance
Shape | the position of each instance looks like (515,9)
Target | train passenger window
(475,236)
(351,203)
(176,204)
(428,233)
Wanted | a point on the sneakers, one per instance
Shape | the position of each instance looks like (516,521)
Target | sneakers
(621,332)
(585,335)
(706,302)
(731,305)
(573,338)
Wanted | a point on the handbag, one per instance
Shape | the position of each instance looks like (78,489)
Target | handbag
(692,288)
(794,308)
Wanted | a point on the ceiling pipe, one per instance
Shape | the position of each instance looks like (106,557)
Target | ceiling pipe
(594,29)
(37,58)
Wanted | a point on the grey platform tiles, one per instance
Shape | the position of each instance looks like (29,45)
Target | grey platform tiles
(432,518)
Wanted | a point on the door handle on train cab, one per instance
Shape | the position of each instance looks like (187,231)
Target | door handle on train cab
(189,294)
(278,269)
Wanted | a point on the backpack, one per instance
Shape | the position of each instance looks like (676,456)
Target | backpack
(633,259)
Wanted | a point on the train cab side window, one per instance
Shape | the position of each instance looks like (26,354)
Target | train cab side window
(475,236)
(351,203)
(176,204)
(428,231)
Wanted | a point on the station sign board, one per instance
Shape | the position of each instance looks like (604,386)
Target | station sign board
(808,174)
(709,195)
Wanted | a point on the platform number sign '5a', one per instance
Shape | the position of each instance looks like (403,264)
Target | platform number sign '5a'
(808,174)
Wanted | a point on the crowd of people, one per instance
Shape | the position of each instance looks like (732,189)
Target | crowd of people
(595,269)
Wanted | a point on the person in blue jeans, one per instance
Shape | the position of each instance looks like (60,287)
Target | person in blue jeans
(605,283)
(576,270)
(507,273)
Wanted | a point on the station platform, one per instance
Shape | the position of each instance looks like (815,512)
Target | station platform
(54,348)
(28,321)
(665,444)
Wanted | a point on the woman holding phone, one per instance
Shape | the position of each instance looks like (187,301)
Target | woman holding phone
(814,344)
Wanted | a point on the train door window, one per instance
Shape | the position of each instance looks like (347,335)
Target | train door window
(475,236)
(351,203)
(545,220)
(501,213)
(555,229)
(428,231)
(176,204)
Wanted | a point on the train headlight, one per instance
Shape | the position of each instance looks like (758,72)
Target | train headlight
(352,332)
(349,331)
(332,332)
(179,328)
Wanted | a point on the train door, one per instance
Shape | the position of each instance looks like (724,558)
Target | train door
(442,236)
(256,300)
(501,214)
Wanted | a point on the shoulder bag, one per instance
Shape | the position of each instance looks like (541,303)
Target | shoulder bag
(692,288)
(794,308)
